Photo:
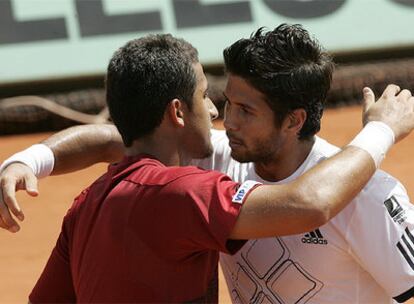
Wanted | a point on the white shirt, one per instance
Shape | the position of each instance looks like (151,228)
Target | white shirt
(363,255)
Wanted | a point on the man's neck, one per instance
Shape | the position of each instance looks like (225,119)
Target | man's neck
(286,162)
(161,147)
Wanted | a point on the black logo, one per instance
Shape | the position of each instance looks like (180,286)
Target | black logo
(395,210)
(314,237)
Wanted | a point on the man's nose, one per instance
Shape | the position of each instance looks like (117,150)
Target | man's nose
(212,110)
(229,121)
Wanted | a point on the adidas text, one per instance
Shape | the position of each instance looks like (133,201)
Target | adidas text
(315,241)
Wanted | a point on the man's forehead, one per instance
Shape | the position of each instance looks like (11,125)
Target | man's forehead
(199,72)
(239,86)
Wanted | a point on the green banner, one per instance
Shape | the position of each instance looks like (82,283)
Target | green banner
(44,39)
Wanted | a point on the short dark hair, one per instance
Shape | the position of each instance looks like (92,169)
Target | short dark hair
(289,67)
(143,77)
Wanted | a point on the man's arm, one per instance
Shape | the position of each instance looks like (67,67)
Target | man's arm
(310,200)
(72,149)
(82,146)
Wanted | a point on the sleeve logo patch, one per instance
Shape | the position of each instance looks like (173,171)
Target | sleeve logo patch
(244,188)
(395,210)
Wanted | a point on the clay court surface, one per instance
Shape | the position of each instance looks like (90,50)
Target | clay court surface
(23,255)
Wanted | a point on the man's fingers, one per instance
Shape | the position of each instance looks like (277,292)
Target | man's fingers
(3,224)
(9,223)
(30,182)
(391,91)
(410,102)
(15,177)
(9,198)
(404,95)
(369,98)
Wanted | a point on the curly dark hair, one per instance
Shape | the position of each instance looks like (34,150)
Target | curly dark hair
(289,67)
(143,77)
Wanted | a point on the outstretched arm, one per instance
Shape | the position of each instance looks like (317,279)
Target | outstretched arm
(82,146)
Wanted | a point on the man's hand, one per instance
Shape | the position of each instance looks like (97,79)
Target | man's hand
(16,176)
(394,107)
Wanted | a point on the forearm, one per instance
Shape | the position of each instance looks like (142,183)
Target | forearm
(329,187)
(82,146)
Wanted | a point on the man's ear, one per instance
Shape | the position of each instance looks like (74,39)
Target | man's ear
(295,120)
(175,112)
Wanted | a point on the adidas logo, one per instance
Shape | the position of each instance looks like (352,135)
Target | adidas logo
(314,237)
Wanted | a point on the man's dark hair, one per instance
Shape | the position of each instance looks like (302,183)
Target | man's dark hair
(143,77)
(289,67)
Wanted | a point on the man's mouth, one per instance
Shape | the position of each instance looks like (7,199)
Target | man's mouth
(234,142)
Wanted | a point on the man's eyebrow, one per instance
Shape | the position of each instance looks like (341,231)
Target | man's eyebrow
(247,106)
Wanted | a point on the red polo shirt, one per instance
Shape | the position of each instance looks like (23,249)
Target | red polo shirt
(143,232)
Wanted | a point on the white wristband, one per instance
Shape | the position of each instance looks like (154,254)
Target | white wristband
(376,138)
(38,157)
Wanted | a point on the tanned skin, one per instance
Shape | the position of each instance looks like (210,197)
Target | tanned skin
(300,206)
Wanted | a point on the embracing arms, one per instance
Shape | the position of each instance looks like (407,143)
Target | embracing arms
(300,206)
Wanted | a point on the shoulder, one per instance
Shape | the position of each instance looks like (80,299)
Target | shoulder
(320,151)
(379,197)
(382,186)
(190,190)
(95,189)
(163,176)
(324,148)
(197,182)
(181,184)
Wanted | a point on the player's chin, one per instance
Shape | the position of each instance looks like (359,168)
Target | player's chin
(240,156)
(205,151)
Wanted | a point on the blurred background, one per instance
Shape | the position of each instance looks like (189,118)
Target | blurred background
(59,49)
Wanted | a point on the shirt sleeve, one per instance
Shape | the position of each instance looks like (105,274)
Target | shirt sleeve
(381,235)
(55,283)
(197,211)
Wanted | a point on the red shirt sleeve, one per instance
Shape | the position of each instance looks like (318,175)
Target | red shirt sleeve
(55,283)
(195,211)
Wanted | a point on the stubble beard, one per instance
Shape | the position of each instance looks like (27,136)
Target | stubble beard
(263,153)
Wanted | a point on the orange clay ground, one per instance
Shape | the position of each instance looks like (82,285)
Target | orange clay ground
(23,255)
